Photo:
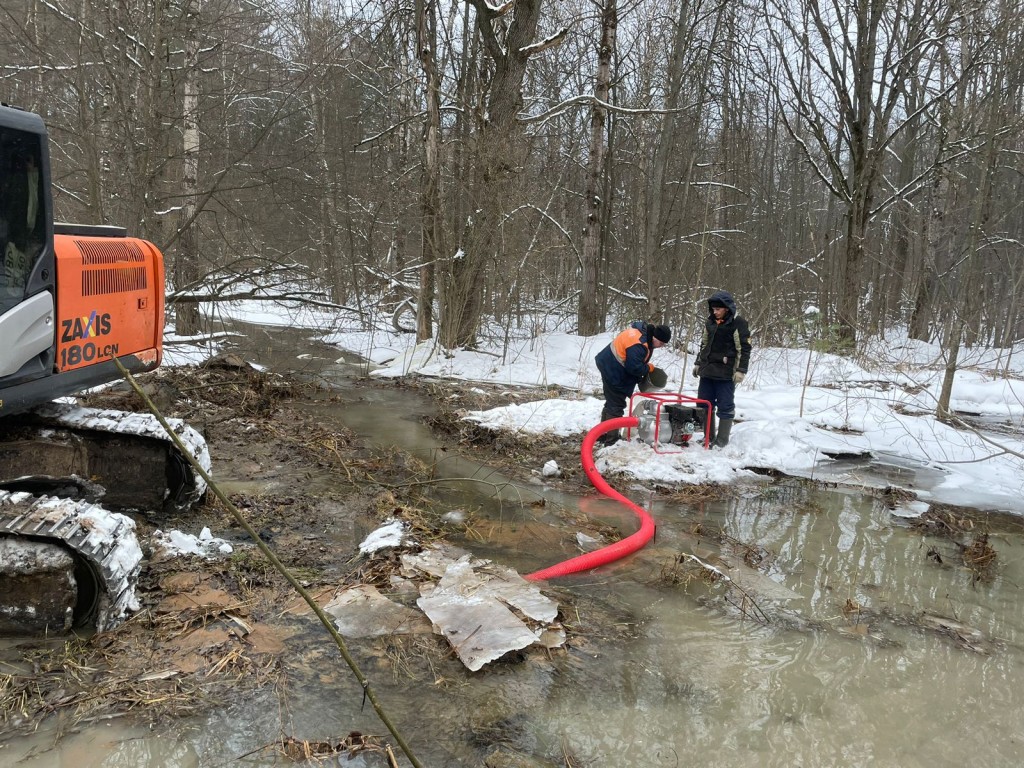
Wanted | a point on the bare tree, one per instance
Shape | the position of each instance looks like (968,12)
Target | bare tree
(590,319)
(497,153)
(968,300)
(981,112)
(861,55)
(338,152)
(432,237)
(186,261)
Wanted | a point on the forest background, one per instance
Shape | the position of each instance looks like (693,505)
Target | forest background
(457,162)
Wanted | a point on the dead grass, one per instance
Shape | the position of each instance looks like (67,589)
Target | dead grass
(699,493)
(681,571)
(980,558)
(186,652)
(894,497)
(969,532)
(754,555)
(415,657)
(321,752)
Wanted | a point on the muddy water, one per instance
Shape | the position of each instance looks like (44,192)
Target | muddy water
(875,647)
(818,685)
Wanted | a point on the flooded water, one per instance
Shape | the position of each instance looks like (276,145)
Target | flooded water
(857,640)
(820,684)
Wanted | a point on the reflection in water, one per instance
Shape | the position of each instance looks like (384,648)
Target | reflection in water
(818,686)
(847,673)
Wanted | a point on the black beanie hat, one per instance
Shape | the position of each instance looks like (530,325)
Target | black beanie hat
(662,333)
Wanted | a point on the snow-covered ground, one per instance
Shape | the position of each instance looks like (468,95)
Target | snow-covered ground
(795,407)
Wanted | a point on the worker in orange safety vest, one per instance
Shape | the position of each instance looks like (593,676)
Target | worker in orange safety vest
(624,364)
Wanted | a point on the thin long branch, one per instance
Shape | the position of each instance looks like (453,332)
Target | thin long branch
(588,99)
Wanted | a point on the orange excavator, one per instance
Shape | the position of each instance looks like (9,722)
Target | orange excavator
(73,299)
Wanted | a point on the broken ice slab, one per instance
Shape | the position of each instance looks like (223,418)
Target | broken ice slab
(364,612)
(588,543)
(910,509)
(479,629)
(481,578)
(434,561)
(483,609)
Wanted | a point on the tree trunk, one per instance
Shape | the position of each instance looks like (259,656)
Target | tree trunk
(433,217)
(850,280)
(497,154)
(186,259)
(969,303)
(588,316)
(652,233)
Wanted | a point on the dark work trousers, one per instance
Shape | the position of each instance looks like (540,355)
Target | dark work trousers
(614,400)
(721,393)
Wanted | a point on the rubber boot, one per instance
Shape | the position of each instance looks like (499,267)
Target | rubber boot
(609,438)
(724,428)
(711,430)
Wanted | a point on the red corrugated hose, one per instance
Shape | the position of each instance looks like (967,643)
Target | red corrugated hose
(619,549)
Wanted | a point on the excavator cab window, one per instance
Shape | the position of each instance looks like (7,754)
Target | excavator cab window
(22,232)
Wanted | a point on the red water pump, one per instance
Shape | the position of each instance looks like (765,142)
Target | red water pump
(669,422)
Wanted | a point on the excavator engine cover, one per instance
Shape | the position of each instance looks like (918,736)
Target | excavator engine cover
(110,301)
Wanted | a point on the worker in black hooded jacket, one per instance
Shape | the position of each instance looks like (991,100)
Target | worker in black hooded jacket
(722,361)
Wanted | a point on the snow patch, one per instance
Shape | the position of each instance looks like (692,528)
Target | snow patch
(394,533)
(175,543)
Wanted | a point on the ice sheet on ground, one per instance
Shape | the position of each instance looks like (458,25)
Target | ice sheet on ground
(363,611)
(471,605)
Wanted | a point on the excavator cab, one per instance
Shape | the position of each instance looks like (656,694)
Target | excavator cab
(22,234)
(72,297)
(26,277)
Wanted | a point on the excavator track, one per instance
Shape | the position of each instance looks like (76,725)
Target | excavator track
(128,456)
(65,471)
(103,543)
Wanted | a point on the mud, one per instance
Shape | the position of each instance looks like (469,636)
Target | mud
(229,634)
(210,632)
